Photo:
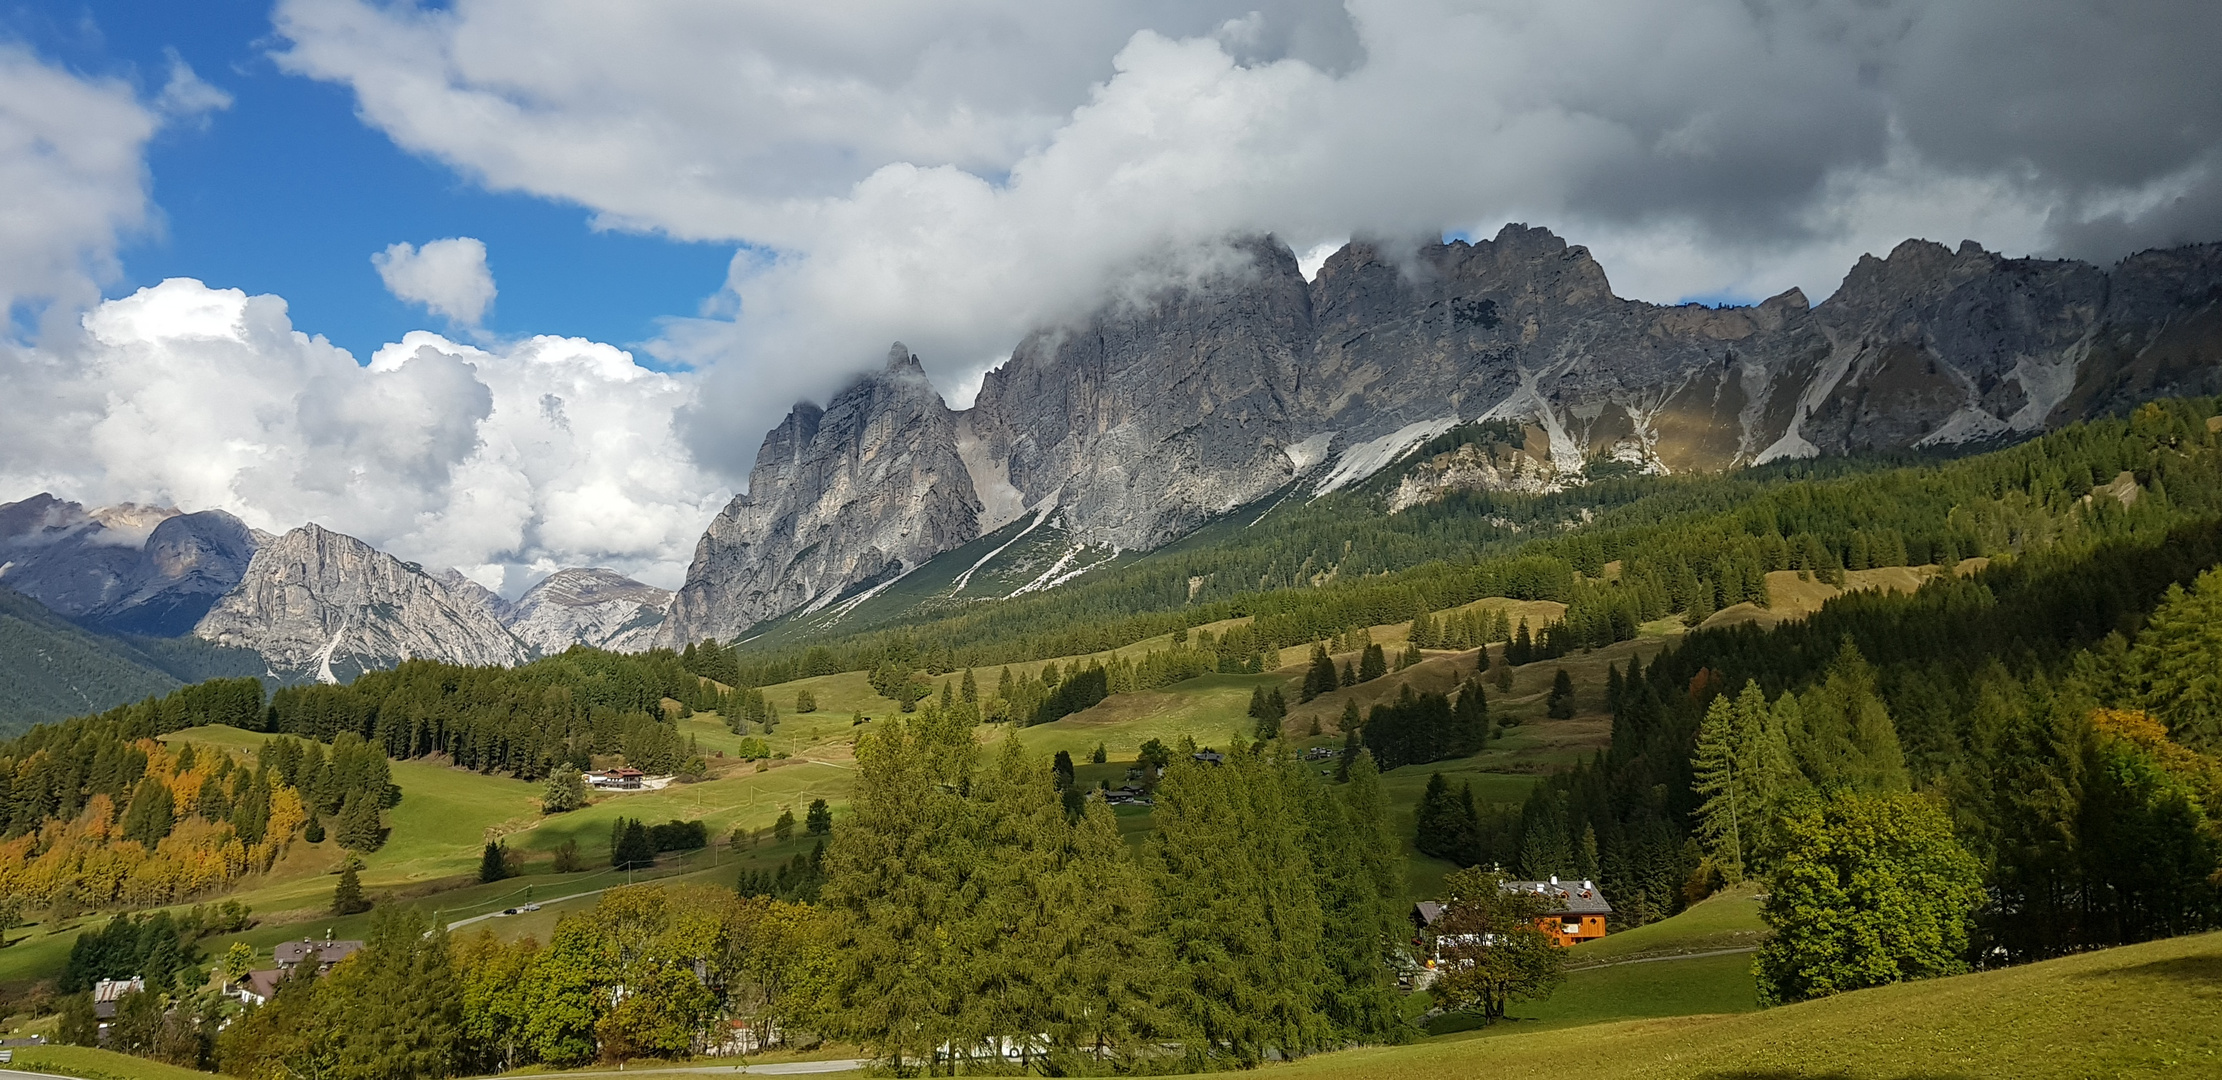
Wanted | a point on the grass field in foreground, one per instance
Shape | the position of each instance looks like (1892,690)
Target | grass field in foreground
(1672,967)
(2140,1010)
(94,1064)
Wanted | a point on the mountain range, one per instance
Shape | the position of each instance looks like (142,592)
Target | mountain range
(310,604)
(1156,415)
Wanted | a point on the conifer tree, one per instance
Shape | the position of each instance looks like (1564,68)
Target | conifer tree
(1239,909)
(347,896)
(1320,678)
(1372,664)
(895,880)
(1561,702)
(1724,743)
(357,827)
(493,863)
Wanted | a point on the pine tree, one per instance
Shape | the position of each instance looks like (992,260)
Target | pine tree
(347,896)
(1723,740)
(357,827)
(819,821)
(634,850)
(493,863)
(1320,678)
(565,791)
(1239,907)
(1372,664)
(1561,702)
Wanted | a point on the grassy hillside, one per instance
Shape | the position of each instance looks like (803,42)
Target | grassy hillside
(2141,1010)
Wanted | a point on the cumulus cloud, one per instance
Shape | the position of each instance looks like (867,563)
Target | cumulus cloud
(508,462)
(71,163)
(952,176)
(449,277)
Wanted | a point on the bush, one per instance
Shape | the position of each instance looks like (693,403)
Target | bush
(566,791)
(805,701)
(679,836)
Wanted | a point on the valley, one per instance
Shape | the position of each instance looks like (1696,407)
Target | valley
(1330,712)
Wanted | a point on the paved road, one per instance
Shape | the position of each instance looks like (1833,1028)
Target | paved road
(18,1074)
(551,900)
(776,1068)
(1656,959)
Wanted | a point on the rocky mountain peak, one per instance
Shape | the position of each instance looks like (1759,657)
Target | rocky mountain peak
(320,603)
(848,497)
(596,607)
(1174,404)
(189,561)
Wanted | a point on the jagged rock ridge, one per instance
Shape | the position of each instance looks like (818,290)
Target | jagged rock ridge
(858,493)
(596,607)
(321,604)
(1153,416)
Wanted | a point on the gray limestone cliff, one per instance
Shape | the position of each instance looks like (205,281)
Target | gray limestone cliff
(601,608)
(320,604)
(1169,407)
(848,497)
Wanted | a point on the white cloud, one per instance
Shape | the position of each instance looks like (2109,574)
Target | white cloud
(449,277)
(72,169)
(954,174)
(507,462)
(186,97)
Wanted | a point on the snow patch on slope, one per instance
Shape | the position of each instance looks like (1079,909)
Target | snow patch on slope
(965,578)
(1367,458)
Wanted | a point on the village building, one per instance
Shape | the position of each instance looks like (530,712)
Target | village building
(1573,912)
(622,778)
(325,953)
(309,954)
(107,992)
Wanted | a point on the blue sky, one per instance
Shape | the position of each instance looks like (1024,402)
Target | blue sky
(287,192)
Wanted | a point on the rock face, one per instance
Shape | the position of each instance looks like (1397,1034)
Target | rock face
(69,558)
(317,603)
(601,608)
(852,495)
(125,569)
(189,562)
(1154,417)
(1161,412)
